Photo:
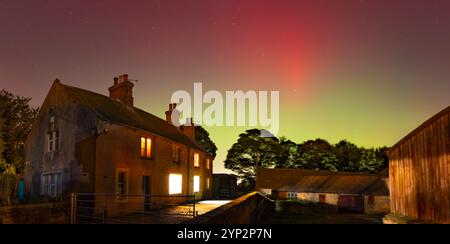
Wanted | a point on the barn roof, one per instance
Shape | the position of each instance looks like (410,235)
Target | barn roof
(315,181)
(421,127)
(113,111)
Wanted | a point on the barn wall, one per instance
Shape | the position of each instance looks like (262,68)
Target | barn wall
(419,170)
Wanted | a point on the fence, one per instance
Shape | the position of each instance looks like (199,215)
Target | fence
(89,208)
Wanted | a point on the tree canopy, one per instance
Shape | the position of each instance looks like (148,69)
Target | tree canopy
(252,150)
(202,136)
(17,117)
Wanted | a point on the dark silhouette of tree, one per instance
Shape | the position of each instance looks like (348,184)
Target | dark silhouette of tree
(250,151)
(348,156)
(17,118)
(202,136)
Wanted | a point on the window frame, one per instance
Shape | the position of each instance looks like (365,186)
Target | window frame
(196,160)
(180,187)
(143,151)
(52,135)
(208,163)
(196,184)
(122,197)
(51,184)
(176,150)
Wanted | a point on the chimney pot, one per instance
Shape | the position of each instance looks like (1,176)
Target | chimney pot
(122,91)
(125,77)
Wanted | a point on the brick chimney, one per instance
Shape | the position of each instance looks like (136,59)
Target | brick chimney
(189,128)
(122,90)
(173,115)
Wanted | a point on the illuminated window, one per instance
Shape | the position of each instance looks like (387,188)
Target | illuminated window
(196,183)
(208,164)
(122,184)
(176,154)
(196,160)
(175,183)
(208,183)
(146,147)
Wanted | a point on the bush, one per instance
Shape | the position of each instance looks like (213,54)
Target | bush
(8,183)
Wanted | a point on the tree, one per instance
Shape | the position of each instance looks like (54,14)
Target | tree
(289,154)
(202,136)
(373,160)
(348,156)
(316,154)
(17,116)
(250,151)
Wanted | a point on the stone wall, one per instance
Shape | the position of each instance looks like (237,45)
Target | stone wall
(45,213)
(253,208)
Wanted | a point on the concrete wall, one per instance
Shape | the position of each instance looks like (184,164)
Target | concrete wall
(253,208)
(47,213)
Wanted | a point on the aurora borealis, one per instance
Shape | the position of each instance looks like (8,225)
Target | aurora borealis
(367,71)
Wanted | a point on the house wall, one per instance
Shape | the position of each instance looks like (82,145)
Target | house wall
(91,151)
(419,171)
(73,159)
(119,149)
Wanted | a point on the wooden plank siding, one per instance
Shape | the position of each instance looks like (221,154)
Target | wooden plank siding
(419,171)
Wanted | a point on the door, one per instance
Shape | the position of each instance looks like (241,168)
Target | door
(351,203)
(146,191)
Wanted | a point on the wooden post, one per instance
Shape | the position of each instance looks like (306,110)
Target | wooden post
(73,207)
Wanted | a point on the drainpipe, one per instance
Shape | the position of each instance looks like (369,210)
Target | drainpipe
(94,162)
(188,169)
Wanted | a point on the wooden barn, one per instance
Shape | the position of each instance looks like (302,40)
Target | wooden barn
(419,171)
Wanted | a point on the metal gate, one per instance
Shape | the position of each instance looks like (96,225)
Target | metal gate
(90,208)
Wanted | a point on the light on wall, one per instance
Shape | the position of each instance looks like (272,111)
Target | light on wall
(175,183)
(196,183)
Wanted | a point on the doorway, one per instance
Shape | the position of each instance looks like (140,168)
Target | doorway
(146,191)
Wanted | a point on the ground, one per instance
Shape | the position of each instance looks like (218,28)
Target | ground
(334,218)
(171,215)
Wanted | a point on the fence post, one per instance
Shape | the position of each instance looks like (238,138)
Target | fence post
(194,207)
(73,207)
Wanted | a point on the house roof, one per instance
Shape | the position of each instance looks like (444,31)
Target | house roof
(315,181)
(113,111)
(421,127)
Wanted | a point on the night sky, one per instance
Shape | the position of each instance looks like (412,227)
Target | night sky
(366,71)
